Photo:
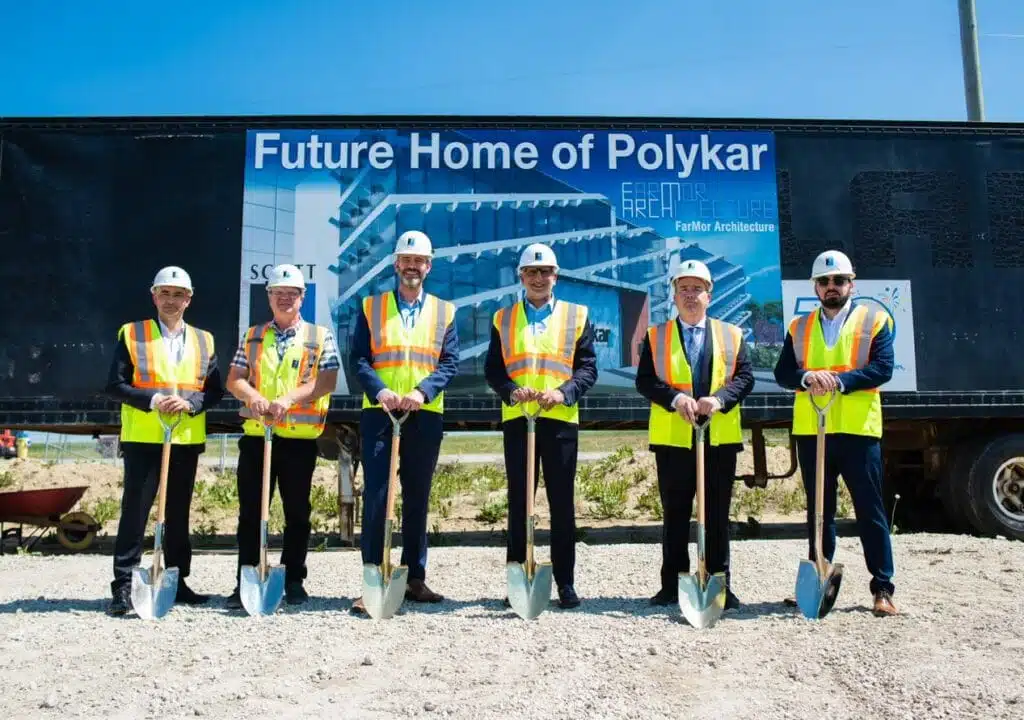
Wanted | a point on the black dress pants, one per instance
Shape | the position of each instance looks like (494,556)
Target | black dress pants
(141,482)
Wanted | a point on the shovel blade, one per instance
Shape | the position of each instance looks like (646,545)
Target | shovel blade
(702,607)
(528,598)
(153,600)
(261,598)
(382,596)
(816,594)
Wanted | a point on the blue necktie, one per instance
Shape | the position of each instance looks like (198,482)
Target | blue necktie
(691,345)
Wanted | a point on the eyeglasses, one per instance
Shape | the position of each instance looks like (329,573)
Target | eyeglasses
(837,280)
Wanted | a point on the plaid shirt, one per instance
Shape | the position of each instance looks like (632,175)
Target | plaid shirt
(329,359)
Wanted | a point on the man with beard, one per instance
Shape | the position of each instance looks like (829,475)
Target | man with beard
(542,350)
(847,349)
(405,352)
(284,372)
(691,367)
(161,365)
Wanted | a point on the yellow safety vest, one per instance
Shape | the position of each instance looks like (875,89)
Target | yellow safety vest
(273,377)
(403,358)
(672,367)
(154,370)
(541,361)
(856,413)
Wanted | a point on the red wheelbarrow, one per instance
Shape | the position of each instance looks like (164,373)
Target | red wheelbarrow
(47,509)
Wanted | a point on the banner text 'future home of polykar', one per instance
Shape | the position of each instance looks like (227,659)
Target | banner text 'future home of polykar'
(620,209)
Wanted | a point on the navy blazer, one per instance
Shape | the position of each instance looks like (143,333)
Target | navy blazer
(361,362)
(881,360)
(731,394)
(584,368)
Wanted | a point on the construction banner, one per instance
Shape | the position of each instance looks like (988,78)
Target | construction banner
(620,209)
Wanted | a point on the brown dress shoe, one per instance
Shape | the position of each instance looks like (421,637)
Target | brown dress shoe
(883,604)
(418,591)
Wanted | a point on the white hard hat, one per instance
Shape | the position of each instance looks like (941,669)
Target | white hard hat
(414,242)
(286,276)
(831,262)
(538,255)
(694,269)
(172,276)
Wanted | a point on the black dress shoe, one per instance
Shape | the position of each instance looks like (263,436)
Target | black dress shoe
(188,596)
(294,593)
(235,599)
(121,601)
(567,597)
(665,597)
(731,601)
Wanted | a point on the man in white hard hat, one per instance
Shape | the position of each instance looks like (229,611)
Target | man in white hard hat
(284,372)
(694,366)
(845,348)
(542,351)
(405,352)
(161,365)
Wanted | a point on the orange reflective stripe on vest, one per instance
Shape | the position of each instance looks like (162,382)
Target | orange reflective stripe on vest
(391,352)
(662,338)
(140,339)
(519,362)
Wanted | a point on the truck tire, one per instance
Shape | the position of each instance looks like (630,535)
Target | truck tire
(954,485)
(997,487)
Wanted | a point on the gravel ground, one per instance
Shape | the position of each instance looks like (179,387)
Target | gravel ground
(955,651)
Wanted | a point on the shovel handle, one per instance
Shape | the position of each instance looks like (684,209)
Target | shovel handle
(699,429)
(268,446)
(819,482)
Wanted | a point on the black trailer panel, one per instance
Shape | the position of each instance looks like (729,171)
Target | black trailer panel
(90,206)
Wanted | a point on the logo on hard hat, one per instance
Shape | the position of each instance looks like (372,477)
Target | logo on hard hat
(538,256)
(830,261)
(410,241)
(285,273)
(174,273)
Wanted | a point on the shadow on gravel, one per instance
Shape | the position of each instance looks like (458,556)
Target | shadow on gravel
(54,605)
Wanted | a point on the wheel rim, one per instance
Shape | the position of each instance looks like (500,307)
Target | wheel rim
(1008,489)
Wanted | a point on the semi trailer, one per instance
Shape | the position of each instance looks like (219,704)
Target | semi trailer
(931,213)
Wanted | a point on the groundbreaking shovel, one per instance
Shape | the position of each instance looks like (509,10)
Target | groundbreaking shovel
(529,583)
(154,589)
(701,596)
(384,585)
(261,587)
(817,582)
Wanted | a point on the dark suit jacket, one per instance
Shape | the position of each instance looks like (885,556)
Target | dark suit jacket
(881,360)
(361,362)
(119,384)
(658,391)
(584,368)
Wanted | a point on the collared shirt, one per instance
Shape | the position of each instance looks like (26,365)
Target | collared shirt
(830,327)
(410,311)
(174,342)
(537,317)
(283,339)
(693,338)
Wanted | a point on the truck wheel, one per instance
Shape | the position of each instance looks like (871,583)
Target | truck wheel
(953,489)
(997,487)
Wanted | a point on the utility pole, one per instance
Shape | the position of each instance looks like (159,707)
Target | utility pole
(971,62)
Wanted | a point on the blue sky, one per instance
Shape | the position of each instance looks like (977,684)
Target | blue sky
(897,59)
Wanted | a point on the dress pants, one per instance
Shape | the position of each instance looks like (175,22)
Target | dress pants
(292,463)
(677,484)
(141,483)
(556,445)
(859,460)
(418,451)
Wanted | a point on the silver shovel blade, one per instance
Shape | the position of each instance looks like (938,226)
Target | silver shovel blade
(528,599)
(153,601)
(383,596)
(260,598)
(702,608)
(816,595)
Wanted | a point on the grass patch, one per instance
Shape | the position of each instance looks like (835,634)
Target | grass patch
(103,510)
(606,487)
(6,479)
(493,511)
